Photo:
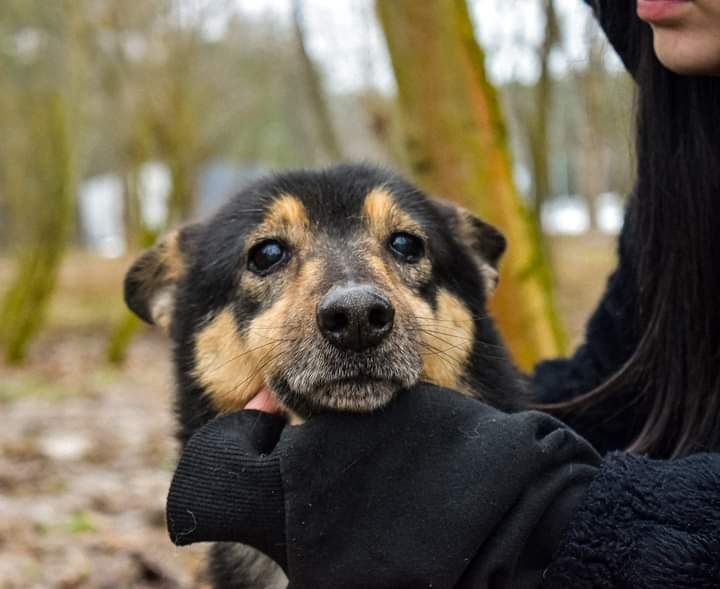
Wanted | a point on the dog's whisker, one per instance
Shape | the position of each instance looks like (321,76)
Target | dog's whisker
(258,369)
(471,319)
(449,362)
(237,357)
(442,354)
(459,336)
(451,345)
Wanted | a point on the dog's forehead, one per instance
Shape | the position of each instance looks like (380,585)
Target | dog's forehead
(337,204)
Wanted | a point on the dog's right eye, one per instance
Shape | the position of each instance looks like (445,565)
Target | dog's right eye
(266,256)
(408,248)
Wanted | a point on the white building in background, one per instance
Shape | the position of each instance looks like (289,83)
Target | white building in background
(610,212)
(154,188)
(102,208)
(569,214)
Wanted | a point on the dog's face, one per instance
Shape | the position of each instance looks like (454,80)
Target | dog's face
(333,288)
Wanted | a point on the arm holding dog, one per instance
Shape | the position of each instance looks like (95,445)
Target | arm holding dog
(436,487)
(383,502)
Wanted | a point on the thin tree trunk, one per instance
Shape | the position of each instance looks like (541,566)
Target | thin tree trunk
(457,145)
(594,159)
(318,101)
(538,127)
(175,132)
(49,209)
(138,236)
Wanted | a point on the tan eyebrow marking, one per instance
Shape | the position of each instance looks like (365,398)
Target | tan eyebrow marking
(383,215)
(287,218)
(287,210)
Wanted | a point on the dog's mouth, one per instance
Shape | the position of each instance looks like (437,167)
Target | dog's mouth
(356,394)
(316,376)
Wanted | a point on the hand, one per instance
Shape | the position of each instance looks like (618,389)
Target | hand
(435,488)
(227,484)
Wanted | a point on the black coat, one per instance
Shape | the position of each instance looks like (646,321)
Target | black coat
(642,523)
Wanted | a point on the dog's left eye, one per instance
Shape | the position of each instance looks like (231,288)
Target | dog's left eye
(407,247)
(266,255)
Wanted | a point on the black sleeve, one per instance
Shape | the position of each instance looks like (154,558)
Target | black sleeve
(610,339)
(618,20)
(439,490)
(644,524)
(435,489)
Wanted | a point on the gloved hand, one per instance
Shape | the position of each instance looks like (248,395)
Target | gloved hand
(228,485)
(436,489)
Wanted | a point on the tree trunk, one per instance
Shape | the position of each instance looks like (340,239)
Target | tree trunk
(593,157)
(318,102)
(457,146)
(174,130)
(136,152)
(538,127)
(48,207)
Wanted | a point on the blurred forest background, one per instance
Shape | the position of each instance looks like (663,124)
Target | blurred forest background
(122,119)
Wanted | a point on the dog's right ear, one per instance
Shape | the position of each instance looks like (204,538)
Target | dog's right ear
(485,242)
(151,281)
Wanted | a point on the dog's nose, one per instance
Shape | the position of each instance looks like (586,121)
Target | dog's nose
(355,317)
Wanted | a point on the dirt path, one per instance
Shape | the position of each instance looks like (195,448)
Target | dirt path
(86,453)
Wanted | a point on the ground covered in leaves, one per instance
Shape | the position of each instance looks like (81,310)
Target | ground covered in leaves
(86,453)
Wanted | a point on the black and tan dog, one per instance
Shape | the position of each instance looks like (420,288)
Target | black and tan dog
(334,289)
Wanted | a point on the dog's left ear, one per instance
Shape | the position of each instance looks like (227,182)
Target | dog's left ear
(151,281)
(485,242)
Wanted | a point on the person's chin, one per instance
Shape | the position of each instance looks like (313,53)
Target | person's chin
(686,56)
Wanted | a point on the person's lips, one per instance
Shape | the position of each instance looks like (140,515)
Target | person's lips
(660,11)
(264,401)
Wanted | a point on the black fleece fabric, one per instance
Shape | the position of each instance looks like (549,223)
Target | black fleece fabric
(645,524)
(438,490)
(228,485)
(435,490)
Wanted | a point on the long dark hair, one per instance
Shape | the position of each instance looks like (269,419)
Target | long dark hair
(675,236)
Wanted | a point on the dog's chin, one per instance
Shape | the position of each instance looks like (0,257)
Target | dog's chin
(352,395)
(356,395)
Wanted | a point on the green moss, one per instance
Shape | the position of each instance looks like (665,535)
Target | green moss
(24,305)
(121,337)
(13,388)
(80,523)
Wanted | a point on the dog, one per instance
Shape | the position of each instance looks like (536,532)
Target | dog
(334,289)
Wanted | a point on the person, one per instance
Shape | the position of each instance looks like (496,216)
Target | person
(442,491)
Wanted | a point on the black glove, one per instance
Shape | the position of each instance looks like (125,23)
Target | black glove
(227,485)
(435,490)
